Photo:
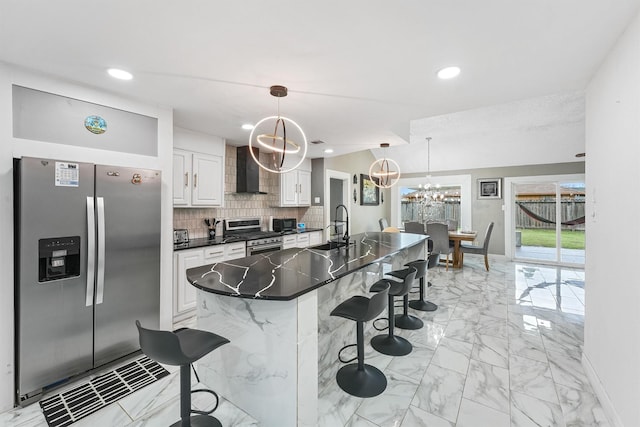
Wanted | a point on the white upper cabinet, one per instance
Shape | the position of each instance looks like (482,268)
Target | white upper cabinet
(198,169)
(295,186)
(181,178)
(208,180)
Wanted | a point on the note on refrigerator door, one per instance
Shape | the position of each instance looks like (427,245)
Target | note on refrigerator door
(67,174)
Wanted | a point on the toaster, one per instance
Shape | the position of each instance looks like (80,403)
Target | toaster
(180,236)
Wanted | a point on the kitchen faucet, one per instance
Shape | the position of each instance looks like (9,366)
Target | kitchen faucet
(346,232)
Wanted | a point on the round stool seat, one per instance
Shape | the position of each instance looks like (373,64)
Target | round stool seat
(181,348)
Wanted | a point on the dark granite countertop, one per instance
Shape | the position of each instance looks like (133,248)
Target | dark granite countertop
(202,242)
(289,273)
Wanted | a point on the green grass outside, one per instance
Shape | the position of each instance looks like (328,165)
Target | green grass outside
(547,238)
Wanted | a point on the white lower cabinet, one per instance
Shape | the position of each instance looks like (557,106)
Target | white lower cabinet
(315,238)
(289,241)
(235,251)
(184,294)
(303,240)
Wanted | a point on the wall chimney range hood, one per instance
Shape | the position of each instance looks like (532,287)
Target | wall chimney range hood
(247,171)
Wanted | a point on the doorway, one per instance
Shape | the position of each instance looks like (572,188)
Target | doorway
(545,219)
(337,189)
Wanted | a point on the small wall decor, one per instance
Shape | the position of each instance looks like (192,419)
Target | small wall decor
(355,195)
(382,198)
(355,178)
(95,124)
(490,188)
(369,191)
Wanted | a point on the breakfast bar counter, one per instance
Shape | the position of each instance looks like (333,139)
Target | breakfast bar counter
(275,309)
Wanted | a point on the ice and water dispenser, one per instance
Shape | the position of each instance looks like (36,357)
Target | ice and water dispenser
(58,258)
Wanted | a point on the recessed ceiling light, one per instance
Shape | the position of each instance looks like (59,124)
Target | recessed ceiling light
(328,150)
(119,74)
(449,73)
(247,126)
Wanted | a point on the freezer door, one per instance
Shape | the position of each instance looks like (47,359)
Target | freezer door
(54,338)
(128,275)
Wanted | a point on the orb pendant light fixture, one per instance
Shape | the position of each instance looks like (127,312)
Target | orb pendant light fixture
(273,135)
(386,171)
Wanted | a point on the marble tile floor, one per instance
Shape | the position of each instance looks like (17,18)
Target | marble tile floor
(503,349)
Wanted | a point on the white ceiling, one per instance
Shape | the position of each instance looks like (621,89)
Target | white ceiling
(358,71)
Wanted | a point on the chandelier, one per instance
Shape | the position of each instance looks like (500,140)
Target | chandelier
(384,172)
(271,135)
(430,197)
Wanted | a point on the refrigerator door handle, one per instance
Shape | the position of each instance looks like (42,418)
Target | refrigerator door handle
(101,236)
(91,250)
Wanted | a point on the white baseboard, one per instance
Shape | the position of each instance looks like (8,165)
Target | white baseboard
(603,397)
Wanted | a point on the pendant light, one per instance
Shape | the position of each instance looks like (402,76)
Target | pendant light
(270,134)
(386,170)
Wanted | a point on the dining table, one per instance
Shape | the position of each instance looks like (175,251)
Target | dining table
(457,237)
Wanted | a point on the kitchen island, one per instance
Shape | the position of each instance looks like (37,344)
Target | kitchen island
(274,308)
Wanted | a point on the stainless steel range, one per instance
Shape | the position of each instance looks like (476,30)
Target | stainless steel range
(248,229)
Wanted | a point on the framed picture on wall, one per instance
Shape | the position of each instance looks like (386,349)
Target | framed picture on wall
(490,188)
(369,192)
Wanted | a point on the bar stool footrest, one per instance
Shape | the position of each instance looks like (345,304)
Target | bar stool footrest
(206,390)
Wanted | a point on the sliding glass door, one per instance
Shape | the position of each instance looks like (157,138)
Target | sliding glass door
(547,219)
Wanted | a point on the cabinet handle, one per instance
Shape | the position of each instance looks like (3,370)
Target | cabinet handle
(186,179)
(195,180)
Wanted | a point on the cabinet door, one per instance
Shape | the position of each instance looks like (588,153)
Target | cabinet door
(214,254)
(186,293)
(304,188)
(181,177)
(289,189)
(303,240)
(208,182)
(315,238)
(235,250)
(289,241)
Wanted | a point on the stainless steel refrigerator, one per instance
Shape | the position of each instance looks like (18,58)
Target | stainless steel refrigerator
(87,264)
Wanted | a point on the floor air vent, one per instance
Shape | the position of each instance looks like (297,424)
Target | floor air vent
(66,408)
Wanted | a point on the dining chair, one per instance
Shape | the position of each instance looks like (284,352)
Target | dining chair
(439,233)
(383,223)
(479,250)
(452,224)
(414,227)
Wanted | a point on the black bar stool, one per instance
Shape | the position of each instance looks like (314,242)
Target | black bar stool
(360,379)
(182,348)
(422,304)
(405,320)
(391,344)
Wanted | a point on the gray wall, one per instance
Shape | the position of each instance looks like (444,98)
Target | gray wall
(363,218)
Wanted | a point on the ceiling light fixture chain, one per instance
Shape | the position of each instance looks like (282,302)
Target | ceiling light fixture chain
(271,141)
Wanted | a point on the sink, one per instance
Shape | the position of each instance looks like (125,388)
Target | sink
(328,246)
